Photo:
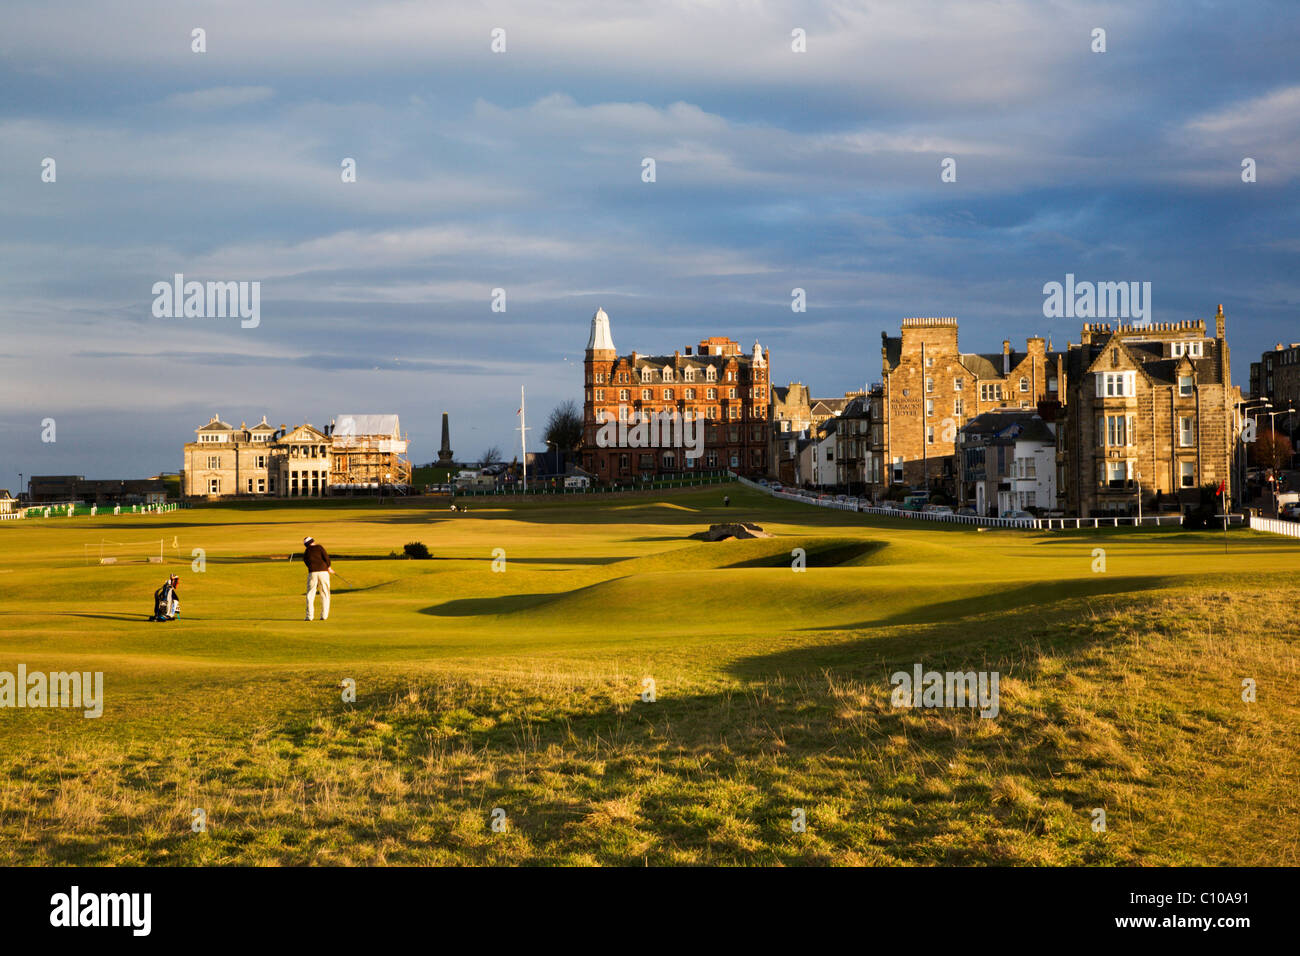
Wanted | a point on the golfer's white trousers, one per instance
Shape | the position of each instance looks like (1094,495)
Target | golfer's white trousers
(318,579)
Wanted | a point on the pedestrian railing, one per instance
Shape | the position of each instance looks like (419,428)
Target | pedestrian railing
(81,510)
(1043,524)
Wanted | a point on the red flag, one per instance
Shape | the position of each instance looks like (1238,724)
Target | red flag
(1222,485)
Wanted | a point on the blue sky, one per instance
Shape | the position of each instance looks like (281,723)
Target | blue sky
(522,170)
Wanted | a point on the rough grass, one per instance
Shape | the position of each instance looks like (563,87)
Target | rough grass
(520,690)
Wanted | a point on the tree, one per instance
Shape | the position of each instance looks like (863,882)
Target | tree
(492,456)
(564,426)
(1270,449)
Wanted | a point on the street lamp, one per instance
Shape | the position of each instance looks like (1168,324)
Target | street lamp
(1261,403)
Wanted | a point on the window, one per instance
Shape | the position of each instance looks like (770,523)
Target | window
(929,435)
(668,374)
(647,394)
(1024,384)
(1051,383)
(731,393)
(929,385)
(645,374)
(929,407)
(1176,349)
(600,394)
(214,486)
(689,375)
(929,361)
(261,486)
(261,461)
(956,406)
(711,394)
(1116,384)
(690,394)
(1187,474)
(600,378)
(898,469)
(711,374)
(214,461)
(958,384)
(670,460)
(624,394)
(1117,430)
(1184,385)
(1186,432)
(622,413)
(1194,349)
(668,395)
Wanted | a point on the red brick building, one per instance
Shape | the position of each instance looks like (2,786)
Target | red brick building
(714,387)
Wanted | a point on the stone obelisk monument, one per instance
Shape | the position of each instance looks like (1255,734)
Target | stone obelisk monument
(445,459)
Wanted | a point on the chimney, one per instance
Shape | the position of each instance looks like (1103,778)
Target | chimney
(1006,356)
(1219,323)
(688,350)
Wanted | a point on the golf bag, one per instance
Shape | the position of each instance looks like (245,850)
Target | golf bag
(163,600)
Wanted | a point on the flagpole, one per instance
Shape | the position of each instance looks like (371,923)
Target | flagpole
(523,441)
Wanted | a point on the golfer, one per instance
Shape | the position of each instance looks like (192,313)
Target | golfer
(318,576)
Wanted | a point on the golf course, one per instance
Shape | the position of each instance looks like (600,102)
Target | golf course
(574,680)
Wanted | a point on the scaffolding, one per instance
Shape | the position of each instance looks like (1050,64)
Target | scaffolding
(368,454)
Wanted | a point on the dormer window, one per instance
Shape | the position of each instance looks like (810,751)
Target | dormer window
(690,373)
(645,374)
(668,373)
(711,374)
(1194,349)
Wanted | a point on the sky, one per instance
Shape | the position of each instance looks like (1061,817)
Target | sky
(522,170)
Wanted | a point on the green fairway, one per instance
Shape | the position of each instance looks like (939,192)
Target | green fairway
(507,672)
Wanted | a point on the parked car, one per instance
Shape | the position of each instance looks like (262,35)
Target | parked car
(1016,514)
(841,498)
(967,511)
(938,509)
(763,482)
(777,486)
(888,505)
(1290,512)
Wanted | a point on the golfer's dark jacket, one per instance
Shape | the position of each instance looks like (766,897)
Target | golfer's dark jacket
(315,558)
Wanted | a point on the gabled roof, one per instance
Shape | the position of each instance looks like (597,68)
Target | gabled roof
(216,425)
(982,366)
(304,432)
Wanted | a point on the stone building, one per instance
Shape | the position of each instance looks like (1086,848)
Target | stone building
(1007,461)
(859,444)
(715,386)
(225,461)
(795,414)
(1276,377)
(1150,410)
(931,389)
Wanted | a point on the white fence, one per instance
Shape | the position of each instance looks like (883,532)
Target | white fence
(1273,525)
(11,516)
(1042,524)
